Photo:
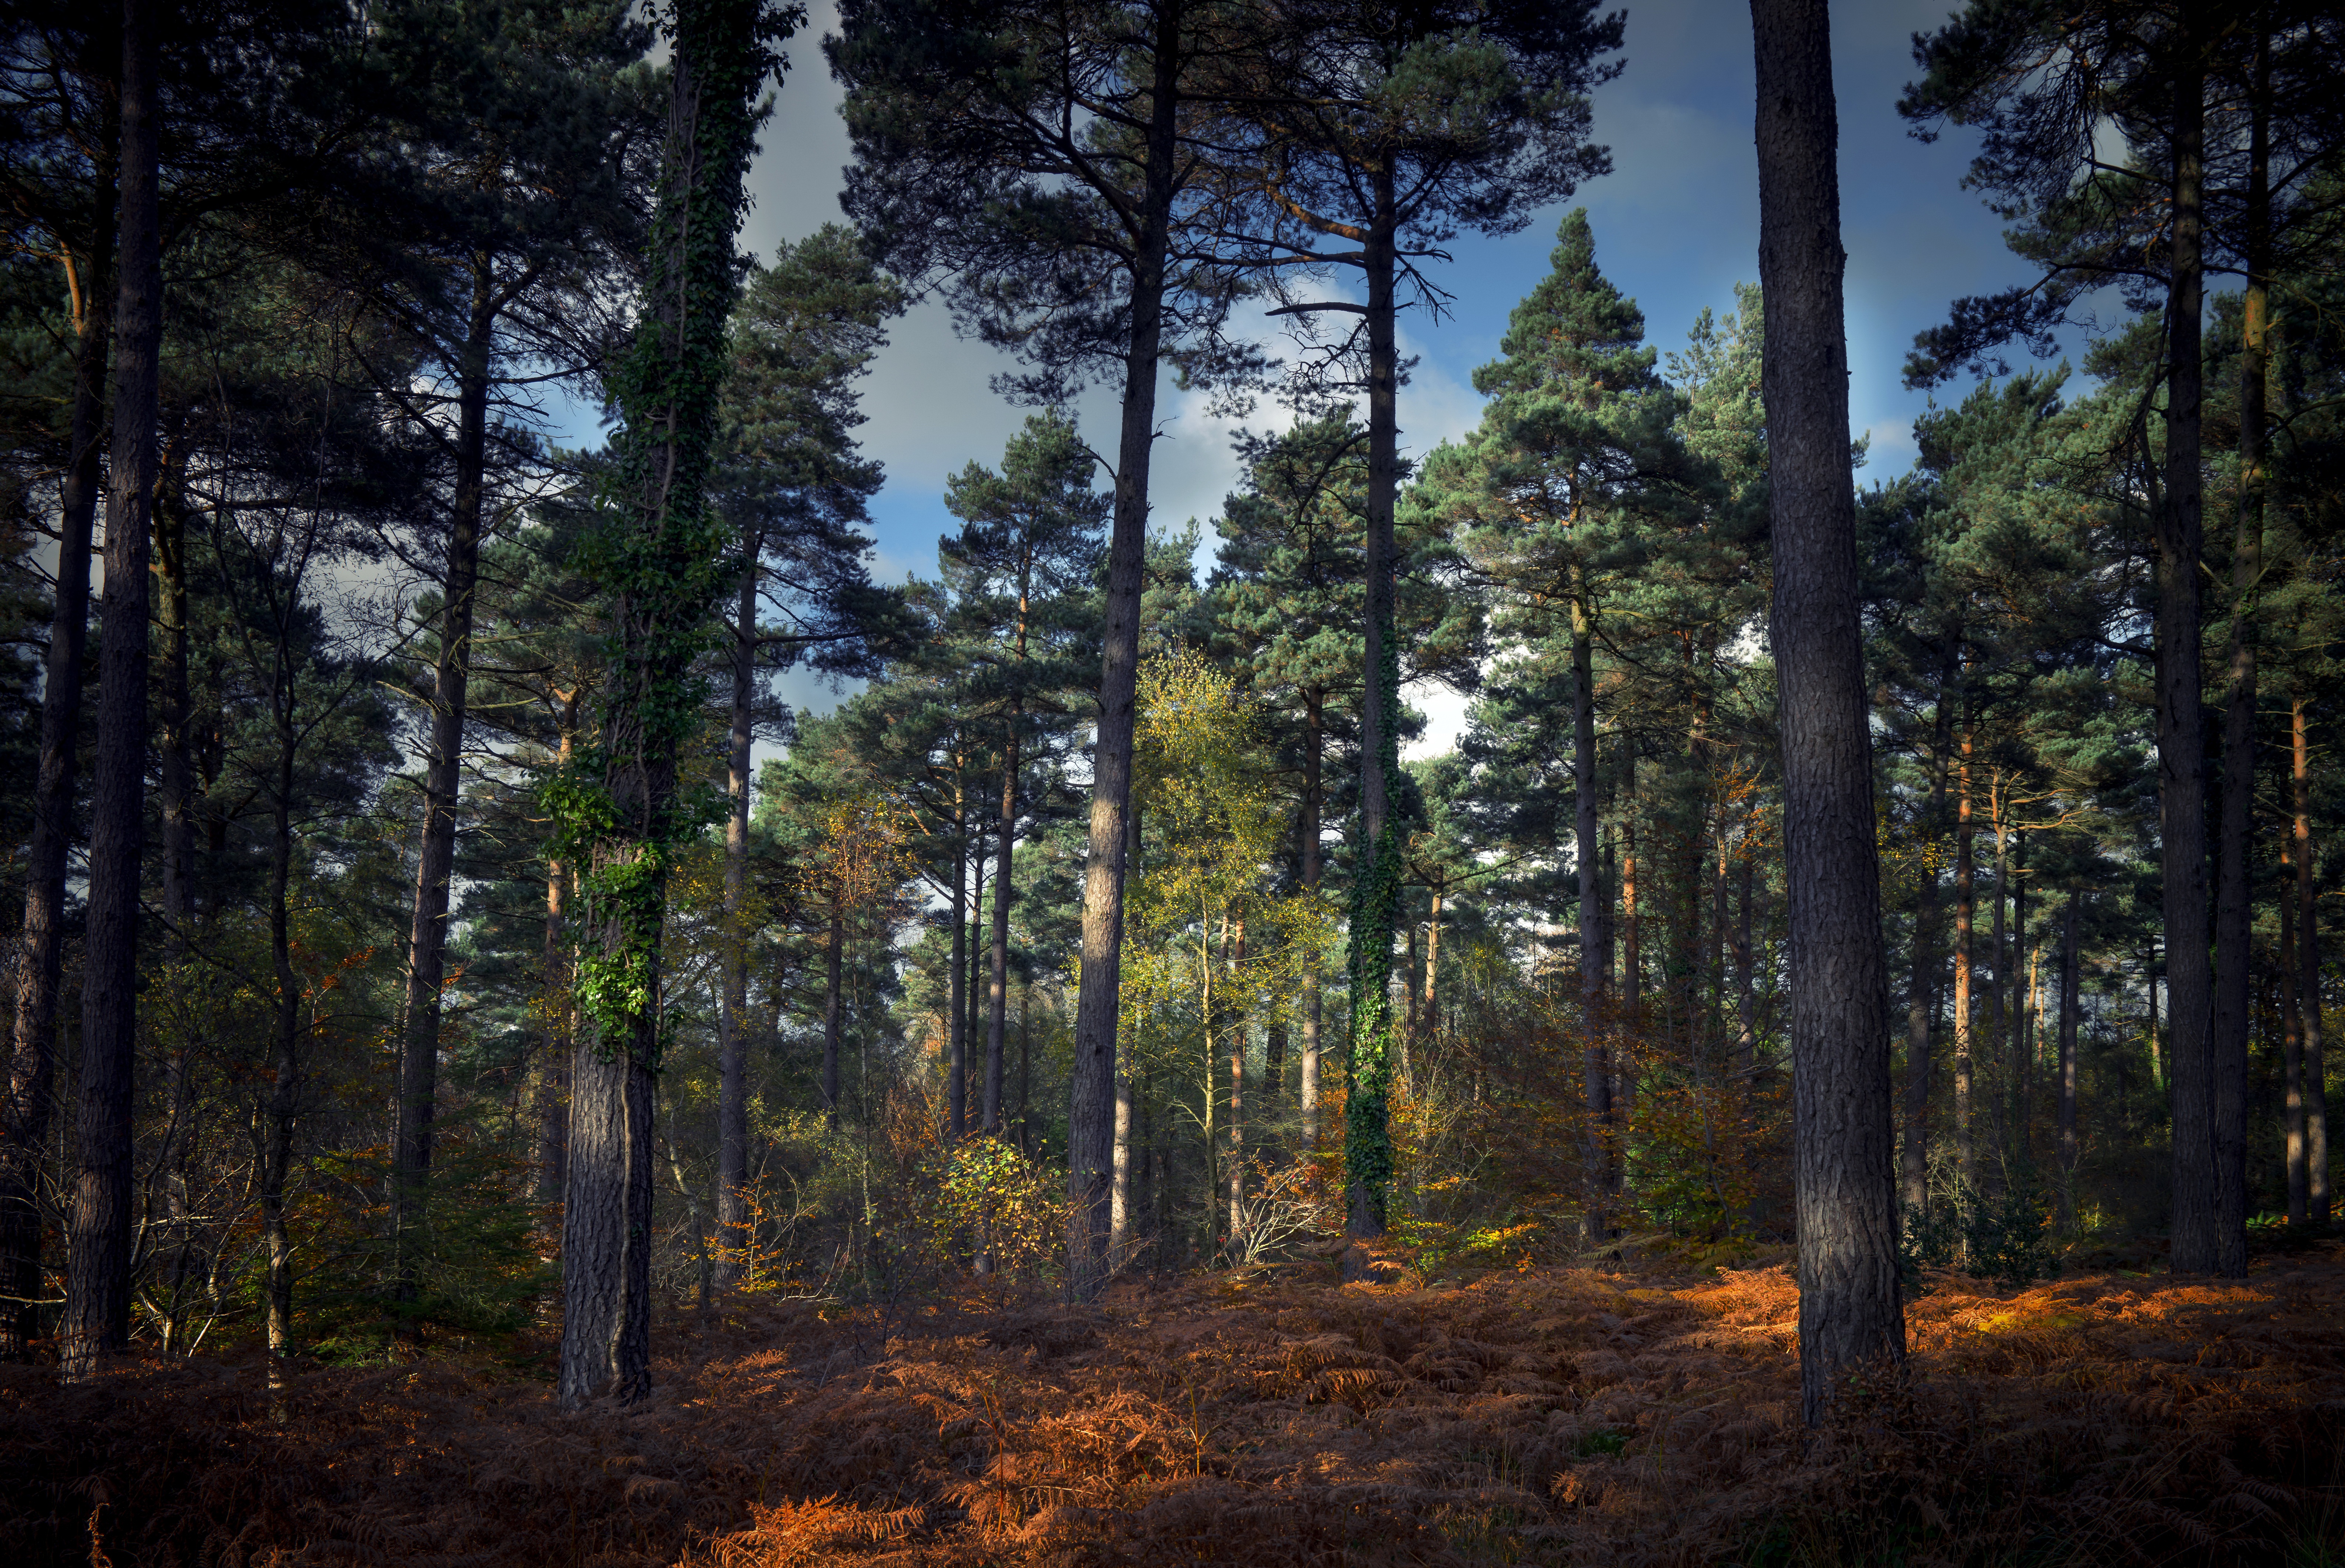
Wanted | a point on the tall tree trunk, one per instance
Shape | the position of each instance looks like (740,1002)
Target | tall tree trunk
(2071,1000)
(733,998)
(1595,1066)
(2021,1001)
(1921,990)
(1235,1173)
(2234,895)
(1091,1112)
(1999,967)
(833,955)
(1005,834)
(1123,1207)
(2299,1186)
(2308,961)
(435,861)
(1429,1016)
(177,772)
(1850,1314)
(554,984)
(662,591)
(98,1240)
(1633,926)
(956,989)
(40,943)
(285,1091)
(1306,1088)
(2203,1242)
(1375,896)
(1965,929)
(1746,995)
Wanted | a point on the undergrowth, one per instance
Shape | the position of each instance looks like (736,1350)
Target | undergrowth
(1561,1416)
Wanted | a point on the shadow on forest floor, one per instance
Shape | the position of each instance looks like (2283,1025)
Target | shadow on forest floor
(1545,1417)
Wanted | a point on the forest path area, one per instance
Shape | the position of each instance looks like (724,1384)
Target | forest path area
(1549,1416)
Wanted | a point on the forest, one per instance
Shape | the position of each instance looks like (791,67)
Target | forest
(557,1014)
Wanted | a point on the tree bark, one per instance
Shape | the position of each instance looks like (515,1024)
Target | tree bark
(1306,1087)
(1965,929)
(1091,1112)
(733,998)
(2308,960)
(1913,1165)
(2071,998)
(40,944)
(2300,1185)
(1595,1066)
(1376,898)
(833,957)
(98,1242)
(956,980)
(435,861)
(285,1089)
(1850,1314)
(2021,1001)
(2203,1242)
(2234,890)
(998,983)
(554,1078)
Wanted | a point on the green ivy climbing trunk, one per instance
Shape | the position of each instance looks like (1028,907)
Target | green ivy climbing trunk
(661,560)
(1375,896)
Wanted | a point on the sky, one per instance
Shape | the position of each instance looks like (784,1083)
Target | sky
(1676,226)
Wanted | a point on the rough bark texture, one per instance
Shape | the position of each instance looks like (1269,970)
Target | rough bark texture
(2200,1243)
(40,945)
(1091,1112)
(98,1240)
(1851,1315)
(435,861)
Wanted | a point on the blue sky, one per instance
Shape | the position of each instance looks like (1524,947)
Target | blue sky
(1676,226)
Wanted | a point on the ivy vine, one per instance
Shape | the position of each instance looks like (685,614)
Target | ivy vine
(662,554)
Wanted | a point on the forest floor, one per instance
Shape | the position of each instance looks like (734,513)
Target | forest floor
(1550,1416)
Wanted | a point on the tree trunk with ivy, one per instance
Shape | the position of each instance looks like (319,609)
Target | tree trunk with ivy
(1375,896)
(660,561)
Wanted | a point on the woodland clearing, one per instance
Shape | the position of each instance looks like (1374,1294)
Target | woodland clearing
(1547,1415)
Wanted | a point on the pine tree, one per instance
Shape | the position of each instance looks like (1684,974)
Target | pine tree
(1575,444)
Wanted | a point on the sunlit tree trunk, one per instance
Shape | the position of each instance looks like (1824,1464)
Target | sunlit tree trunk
(1091,1113)
(1850,1314)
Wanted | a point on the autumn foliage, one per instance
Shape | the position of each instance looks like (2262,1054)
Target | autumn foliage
(1538,1415)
